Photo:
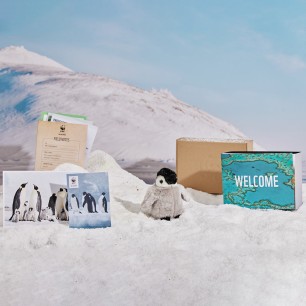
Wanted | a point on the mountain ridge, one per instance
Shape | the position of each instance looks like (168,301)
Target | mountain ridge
(134,124)
(20,56)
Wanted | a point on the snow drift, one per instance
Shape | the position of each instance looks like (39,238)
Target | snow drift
(213,254)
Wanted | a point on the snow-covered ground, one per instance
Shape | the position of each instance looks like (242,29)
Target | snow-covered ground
(214,254)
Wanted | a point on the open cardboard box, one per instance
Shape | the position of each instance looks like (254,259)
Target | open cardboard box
(198,161)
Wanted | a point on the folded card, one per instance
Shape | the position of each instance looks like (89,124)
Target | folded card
(262,179)
(88,200)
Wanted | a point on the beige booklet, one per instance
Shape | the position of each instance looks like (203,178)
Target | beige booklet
(59,143)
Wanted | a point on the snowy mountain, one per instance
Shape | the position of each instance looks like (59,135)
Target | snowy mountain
(18,56)
(134,124)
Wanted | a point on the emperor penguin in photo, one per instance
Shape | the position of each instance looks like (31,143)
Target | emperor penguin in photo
(93,200)
(90,201)
(103,202)
(60,204)
(51,203)
(19,198)
(75,205)
(83,198)
(35,202)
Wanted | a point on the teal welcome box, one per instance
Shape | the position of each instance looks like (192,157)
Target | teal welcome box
(264,180)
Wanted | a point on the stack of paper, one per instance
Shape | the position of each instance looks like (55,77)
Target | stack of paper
(63,138)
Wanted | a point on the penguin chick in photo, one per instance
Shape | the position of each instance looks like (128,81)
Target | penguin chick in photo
(45,213)
(31,214)
(16,216)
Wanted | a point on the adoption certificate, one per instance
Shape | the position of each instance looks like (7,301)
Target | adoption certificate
(58,143)
(91,129)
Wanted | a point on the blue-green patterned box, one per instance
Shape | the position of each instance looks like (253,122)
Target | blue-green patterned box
(264,180)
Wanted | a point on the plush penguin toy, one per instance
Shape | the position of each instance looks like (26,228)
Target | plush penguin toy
(164,199)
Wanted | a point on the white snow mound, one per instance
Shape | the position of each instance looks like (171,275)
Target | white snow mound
(212,255)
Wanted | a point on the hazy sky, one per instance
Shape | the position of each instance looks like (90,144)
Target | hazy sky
(242,61)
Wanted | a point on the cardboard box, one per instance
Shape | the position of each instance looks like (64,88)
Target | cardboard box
(264,180)
(198,161)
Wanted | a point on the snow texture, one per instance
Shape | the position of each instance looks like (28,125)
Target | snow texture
(19,56)
(213,254)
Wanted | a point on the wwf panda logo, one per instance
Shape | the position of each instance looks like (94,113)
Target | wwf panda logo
(73,182)
(62,128)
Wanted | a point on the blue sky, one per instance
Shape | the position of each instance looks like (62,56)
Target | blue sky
(242,61)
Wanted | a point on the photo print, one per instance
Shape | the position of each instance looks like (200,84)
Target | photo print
(34,197)
(88,200)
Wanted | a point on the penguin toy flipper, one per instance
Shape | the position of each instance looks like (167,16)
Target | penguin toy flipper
(77,202)
(150,199)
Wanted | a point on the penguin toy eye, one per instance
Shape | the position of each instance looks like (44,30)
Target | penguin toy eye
(161,181)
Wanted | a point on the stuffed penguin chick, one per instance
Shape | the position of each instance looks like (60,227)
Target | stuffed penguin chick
(164,199)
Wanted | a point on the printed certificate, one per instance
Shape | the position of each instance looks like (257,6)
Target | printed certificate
(59,143)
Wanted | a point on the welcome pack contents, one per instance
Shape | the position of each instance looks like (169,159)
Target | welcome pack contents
(198,162)
(47,197)
(63,139)
(265,180)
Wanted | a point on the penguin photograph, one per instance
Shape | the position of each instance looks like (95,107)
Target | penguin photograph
(87,207)
(30,196)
